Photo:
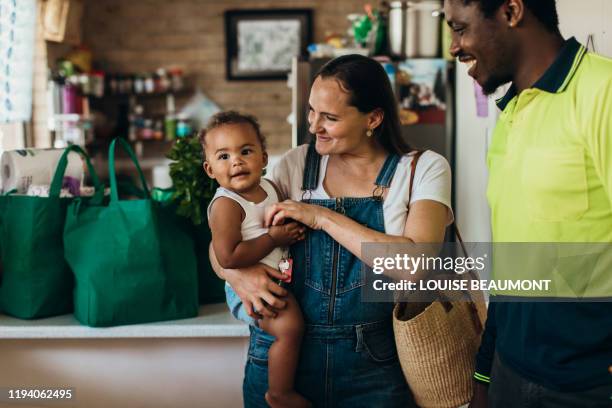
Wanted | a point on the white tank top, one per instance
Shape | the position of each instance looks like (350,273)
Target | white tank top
(252,225)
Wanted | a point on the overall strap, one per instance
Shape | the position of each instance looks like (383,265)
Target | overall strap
(387,171)
(383,181)
(311,169)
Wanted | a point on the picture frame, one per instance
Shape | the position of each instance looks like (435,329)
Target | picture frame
(260,44)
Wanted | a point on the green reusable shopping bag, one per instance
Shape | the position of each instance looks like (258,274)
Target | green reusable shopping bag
(36,280)
(133,260)
(211,289)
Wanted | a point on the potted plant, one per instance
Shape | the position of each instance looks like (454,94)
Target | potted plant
(192,192)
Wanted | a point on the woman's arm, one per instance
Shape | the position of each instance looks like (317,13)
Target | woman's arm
(426,223)
(254,286)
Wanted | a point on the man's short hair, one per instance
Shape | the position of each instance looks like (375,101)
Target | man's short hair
(544,10)
(231,118)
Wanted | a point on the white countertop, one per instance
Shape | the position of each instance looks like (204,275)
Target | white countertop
(212,321)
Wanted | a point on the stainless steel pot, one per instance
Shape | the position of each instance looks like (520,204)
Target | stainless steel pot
(414,28)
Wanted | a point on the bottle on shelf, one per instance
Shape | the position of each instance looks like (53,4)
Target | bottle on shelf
(136,123)
(183,126)
(170,119)
(147,130)
(149,83)
(139,83)
(163,81)
(176,78)
(158,130)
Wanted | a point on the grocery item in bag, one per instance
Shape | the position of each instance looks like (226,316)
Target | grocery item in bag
(22,168)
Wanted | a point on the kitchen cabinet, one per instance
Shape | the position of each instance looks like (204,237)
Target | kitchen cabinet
(62,20)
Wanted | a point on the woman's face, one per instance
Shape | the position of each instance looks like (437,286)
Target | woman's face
(338,127)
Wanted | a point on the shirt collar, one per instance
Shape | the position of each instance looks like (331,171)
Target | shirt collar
(557,76)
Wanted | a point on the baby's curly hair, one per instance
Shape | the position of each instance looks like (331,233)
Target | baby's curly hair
(230,118)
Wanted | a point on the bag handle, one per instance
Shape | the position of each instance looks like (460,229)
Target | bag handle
(413,165)
(478,324)
(58,177)
(443,299)
(111,167)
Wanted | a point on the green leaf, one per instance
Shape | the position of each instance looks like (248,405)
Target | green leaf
(193,188)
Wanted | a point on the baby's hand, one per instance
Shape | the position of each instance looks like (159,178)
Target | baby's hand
(286,234)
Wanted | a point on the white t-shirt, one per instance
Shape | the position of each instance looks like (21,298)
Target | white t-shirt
(432,181)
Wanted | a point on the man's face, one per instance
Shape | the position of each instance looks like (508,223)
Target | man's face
(482,43)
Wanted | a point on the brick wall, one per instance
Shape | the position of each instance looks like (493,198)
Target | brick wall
(132,36)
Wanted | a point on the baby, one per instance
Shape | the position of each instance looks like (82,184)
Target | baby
(235,155)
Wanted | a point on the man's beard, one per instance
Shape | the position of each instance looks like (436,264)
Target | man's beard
(494,82)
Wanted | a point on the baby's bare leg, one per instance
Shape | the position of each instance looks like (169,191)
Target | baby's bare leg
(288,328)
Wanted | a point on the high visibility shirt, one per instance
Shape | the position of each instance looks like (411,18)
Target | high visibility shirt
(550,180)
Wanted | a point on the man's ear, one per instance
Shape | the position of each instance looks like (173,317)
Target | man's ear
(514,12)
(208,169)
(375,118)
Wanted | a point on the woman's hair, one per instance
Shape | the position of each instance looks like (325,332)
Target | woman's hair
(230,118)
(367,83)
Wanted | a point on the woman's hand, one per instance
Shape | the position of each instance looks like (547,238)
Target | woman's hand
(257,290)
(310,215)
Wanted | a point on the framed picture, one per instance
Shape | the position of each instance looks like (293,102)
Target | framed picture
(261,43)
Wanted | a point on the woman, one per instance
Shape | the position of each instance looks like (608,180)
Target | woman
(349,187)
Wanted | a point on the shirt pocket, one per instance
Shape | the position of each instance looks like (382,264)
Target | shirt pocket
(555,184)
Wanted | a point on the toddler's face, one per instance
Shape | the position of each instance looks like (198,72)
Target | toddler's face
(234,157)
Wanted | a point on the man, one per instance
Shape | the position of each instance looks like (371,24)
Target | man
(550,180)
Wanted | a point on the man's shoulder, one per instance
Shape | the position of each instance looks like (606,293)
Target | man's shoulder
(594,72)
(592,80)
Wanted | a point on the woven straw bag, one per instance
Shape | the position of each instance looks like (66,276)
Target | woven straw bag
(437,343)
(436,349)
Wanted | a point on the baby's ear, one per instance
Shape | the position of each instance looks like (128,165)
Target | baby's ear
(265,159)
(208,169)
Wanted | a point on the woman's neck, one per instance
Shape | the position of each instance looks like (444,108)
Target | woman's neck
(363,160)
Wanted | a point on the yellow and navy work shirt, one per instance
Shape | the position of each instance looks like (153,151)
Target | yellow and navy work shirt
(550,180)
(550,160)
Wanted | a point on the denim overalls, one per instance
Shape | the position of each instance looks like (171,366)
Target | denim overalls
(348,356)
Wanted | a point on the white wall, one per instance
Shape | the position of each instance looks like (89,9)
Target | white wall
(584,17)
(473,133)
